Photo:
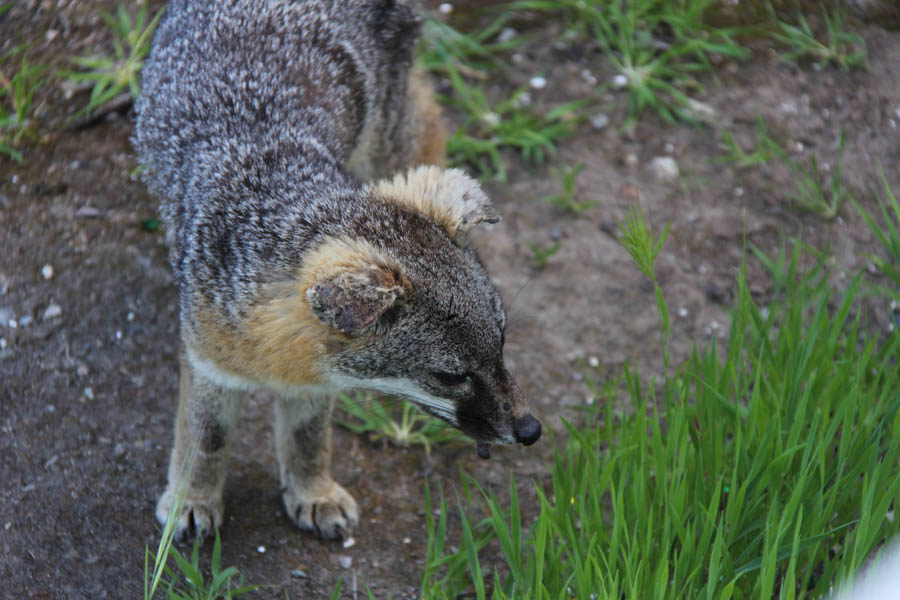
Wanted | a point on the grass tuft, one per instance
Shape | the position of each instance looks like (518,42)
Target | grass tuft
(17,89)
(843,48)
(110,76)
(762,469)
(413,428)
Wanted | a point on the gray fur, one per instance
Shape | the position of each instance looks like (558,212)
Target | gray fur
(257,121)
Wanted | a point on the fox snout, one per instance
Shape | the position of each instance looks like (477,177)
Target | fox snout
(527,429)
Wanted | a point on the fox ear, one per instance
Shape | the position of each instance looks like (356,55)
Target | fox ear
(352,301)
(449,197)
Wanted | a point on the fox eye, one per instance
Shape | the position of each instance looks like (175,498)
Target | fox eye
(451,379)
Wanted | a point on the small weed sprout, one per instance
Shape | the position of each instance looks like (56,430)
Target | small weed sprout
(542,254)
(888,233)
(110,76)
(845,49)
(763,151)
(17,91)
(510,124)
(639,241)
(658,47)
(414,428)
(566,200)
(810,193)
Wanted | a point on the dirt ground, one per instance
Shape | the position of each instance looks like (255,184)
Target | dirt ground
(87,398)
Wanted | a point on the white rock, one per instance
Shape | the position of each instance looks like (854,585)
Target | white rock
(445,8)
(345,561)
(52,311)
(631,159)
(26,320)
(506,34)
(588,77)
(349,542)
(669,148)
(664,168)
(47,271)
(537,82)
(619,81)
(261,549)
(3,343)
(88,393)
(700,110)
(599,121)
(594,361)
(738,191)
(682,312)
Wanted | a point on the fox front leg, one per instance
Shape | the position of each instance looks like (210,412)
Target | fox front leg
(207,414)
(313,500)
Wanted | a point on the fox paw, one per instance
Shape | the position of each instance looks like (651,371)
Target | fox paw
(196,518)
(331,512)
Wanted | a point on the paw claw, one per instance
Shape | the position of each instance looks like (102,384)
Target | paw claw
(330,514)
(197,518)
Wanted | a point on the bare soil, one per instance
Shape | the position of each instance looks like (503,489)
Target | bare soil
(87,399)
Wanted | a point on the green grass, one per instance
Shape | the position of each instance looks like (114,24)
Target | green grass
(762,469)
(542,254)
(816,191)
(110,76)
(840,47)
(410,428)
(488,129)
(187,582)
(565,200)
(17,88)
(888,234)
(763,151)
(658,46)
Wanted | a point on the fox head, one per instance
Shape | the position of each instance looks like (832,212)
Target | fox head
(416,314)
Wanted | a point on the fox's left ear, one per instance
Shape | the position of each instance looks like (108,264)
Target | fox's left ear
(354,300)
(449,197)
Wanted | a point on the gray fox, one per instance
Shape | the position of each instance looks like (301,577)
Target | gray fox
(317,243)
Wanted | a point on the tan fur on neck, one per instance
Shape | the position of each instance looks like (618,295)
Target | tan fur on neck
(281,342)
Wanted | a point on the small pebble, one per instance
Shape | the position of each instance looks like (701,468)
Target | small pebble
(799,147)
(669,148)
(88,393)
(298,574)
(664,168)
(118,334)
(8,525)
(50,408)
(506,34)
(47,271)
(738,191)
(599,121)
(25,321)
(588,77)
(261,549)
(682,312)
(82,371)
(3,343)
(129,316)
(119,450)
(589,400)
(6,315)
(345,561)
(556,234)
(12,323)
(538,83)
(631,159)
(445,8)
(349,542)
(619,81)
(406,540)
(594,361)
(52,311)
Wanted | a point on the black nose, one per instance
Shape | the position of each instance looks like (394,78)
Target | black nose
(527,430)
